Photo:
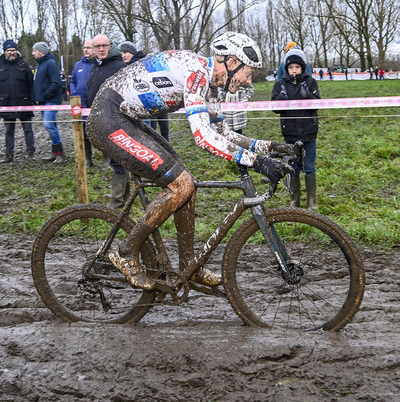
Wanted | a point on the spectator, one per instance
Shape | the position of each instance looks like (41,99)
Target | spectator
(345,72)
(236,120)
(281,68)
(78,87)
(330,73)
(129,52)
(16,85)
(381,74)
(301,125)
(321,74)
(376,72)
(107,61)
(64,86)
(371,73)
(47,91)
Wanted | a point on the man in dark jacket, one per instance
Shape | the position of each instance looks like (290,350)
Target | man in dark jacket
(78,87)
(107,61)
(47,88)
(299,125)
(16,84)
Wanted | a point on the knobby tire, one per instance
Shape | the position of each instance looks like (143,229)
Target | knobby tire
(329,273)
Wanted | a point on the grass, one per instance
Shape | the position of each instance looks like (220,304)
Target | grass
(358,175)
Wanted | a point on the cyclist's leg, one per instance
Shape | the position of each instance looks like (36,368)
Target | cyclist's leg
(143,152)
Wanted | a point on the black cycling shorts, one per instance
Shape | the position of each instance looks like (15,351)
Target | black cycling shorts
(132,143)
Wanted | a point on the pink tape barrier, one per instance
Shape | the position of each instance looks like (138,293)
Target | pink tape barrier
(339,103)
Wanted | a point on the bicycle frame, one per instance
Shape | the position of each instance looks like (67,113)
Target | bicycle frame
(246,184)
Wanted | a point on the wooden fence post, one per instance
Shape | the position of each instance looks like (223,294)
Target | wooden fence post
(79,146)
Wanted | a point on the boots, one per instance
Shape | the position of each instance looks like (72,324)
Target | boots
(119,189)
(8,158)
(295,189)
(57,155)
(88,153)
(311,187)
(131,268)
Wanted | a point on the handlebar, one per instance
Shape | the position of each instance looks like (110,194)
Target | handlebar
(288,160)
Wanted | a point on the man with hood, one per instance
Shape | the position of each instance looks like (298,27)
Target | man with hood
(299,125)
(16,86)
(47,88)
(107,61)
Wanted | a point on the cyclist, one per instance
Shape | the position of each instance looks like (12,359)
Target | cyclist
(163,83)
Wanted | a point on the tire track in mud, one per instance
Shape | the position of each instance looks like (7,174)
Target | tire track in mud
(199,351)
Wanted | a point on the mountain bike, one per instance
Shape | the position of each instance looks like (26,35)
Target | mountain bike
(287,267)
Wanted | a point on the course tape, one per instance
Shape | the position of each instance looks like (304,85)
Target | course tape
(339,103)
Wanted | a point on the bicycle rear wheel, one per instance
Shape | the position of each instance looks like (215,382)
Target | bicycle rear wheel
(64,248)
(329,284)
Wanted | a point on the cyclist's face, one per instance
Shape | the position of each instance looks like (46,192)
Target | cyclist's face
(242,78)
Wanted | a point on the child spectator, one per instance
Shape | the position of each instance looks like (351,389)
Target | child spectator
(299,125)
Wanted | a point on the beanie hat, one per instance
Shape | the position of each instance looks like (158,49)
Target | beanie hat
(295,55)
(9,44)
(289,46)
(127,47)
(41,47)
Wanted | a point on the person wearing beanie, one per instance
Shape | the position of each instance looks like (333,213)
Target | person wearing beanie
(281,68)
(16,84)
(47,88)
(129,52)
(299,125)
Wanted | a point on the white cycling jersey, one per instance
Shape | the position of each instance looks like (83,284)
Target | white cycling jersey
(165,82)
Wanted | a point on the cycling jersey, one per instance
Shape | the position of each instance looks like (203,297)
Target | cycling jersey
(165,82)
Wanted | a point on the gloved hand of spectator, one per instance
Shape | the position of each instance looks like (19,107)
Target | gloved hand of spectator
(271,168)
(283,94)
(304,91)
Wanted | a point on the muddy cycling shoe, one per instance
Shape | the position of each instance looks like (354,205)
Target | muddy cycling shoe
(131,268)
(206,277)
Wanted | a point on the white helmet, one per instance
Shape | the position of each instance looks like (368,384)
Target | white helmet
(239,45)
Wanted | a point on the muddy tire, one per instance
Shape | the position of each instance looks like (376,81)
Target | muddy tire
(329,272)
(59,275)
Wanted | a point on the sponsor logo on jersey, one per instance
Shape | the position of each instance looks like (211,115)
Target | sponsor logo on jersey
(203,61)
(162,82)
(153,103)
(156,63)
(202,143)
(141,86)
(139,151)
(194,80)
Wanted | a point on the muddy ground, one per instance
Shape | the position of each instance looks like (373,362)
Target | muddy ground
(199,351)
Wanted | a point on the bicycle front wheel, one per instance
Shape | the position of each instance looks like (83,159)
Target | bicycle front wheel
(329,274)
(65,247)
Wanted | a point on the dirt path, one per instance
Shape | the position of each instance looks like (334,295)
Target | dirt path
(196,352)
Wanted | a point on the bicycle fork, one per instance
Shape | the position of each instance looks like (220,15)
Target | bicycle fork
(274,241)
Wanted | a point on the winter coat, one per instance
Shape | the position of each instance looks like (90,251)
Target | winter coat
(294,129)
(16,86)
(47,85)
(101,71)
(137,56)
(79,77)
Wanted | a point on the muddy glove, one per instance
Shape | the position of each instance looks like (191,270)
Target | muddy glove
(278,149)
(271,168)
(304,91)
(283,94)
